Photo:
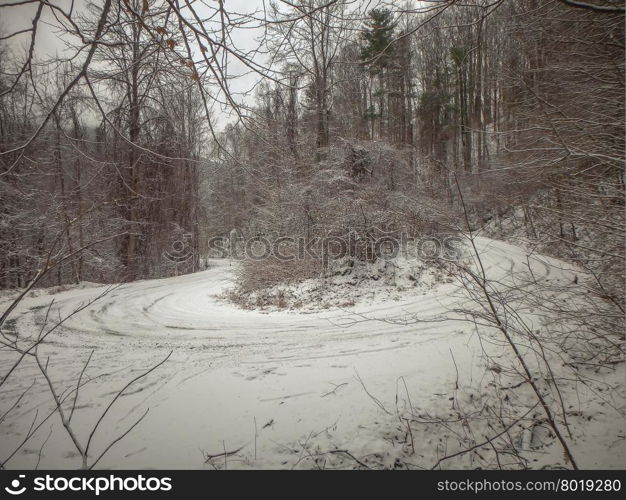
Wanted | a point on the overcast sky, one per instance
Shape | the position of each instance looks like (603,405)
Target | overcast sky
(50,40)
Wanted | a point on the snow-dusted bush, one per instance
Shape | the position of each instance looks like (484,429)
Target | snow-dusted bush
(257,275)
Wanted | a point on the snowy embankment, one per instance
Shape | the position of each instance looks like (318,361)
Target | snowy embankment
(287,389)
(347,283)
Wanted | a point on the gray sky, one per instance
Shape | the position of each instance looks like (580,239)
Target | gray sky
(50,41)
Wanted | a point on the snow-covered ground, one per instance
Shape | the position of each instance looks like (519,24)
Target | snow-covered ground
(287,388)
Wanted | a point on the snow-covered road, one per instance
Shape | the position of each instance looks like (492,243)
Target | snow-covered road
(278,385)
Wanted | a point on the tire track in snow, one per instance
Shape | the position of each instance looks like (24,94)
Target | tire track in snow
(219,372)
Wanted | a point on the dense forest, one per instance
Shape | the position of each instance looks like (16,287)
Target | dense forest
(133,144)
(358,119)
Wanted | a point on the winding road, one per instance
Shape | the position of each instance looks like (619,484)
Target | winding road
(272,385)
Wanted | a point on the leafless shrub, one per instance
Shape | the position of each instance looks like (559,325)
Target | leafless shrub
(257,275)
